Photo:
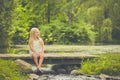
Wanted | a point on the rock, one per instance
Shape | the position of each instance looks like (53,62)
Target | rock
(23,65)
(43,71)
(34,68)
(58,69)
(107,77)
(47,71)
(76,72)
(63,68)
(104,76)
(34,77)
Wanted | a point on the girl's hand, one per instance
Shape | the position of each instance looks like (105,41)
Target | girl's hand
(34,52)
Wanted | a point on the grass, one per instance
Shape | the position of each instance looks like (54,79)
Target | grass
(10,71)
(108,63)
(87,49)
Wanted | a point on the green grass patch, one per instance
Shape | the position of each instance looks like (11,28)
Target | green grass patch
(91,49)
(108,63)
(10,71)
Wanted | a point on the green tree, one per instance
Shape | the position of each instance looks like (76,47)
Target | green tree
(6,30)
(63,18)
(115,17)
(95,17)
(107,31)
(112,11)
(28,14)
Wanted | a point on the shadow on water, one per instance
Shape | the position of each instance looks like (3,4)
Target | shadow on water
(65,68)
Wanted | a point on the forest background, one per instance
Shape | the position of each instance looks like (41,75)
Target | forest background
(69,22)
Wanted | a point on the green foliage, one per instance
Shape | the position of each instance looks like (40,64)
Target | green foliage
(22,20)
(95,17)
(53,33)
(108,63)
(58,32)
(6,10)
(83,33)
(115,17)
(9,71)
(107,30)
(112,11)
(64,18)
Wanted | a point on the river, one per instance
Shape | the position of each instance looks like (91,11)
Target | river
(49,75)
(68,77)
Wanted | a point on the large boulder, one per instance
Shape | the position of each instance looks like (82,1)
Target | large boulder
(23,65)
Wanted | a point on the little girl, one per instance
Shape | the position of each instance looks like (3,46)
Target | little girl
(36,45)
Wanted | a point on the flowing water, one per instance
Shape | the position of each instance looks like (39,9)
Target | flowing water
(67,77)
(49,74)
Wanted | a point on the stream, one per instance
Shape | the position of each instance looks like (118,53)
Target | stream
(68,77)
(50,74)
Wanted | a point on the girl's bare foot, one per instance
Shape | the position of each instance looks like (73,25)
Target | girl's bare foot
(39,68)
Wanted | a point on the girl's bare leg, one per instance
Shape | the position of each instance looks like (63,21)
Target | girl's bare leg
(35,57)
(41,60)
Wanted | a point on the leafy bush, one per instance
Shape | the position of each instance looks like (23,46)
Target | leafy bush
(61,33)
(9,71)
(108,63)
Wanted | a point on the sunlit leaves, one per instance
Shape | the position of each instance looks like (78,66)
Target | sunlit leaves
(108,63)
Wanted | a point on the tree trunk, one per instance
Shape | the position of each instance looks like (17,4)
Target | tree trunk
(69,12)
(48,12)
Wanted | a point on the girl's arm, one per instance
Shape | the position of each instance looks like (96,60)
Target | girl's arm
(31,47)
(42,44)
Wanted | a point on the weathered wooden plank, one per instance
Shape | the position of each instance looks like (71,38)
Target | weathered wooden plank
(51,58)
(50,55)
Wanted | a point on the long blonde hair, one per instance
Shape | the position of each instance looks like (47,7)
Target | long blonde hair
(32,32)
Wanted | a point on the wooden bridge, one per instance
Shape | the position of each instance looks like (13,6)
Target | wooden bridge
(52,58)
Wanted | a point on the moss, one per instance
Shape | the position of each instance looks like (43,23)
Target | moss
(9,71)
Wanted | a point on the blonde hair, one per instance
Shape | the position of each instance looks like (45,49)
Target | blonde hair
(32,32)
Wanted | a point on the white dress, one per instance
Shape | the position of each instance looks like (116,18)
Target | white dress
(37,46)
